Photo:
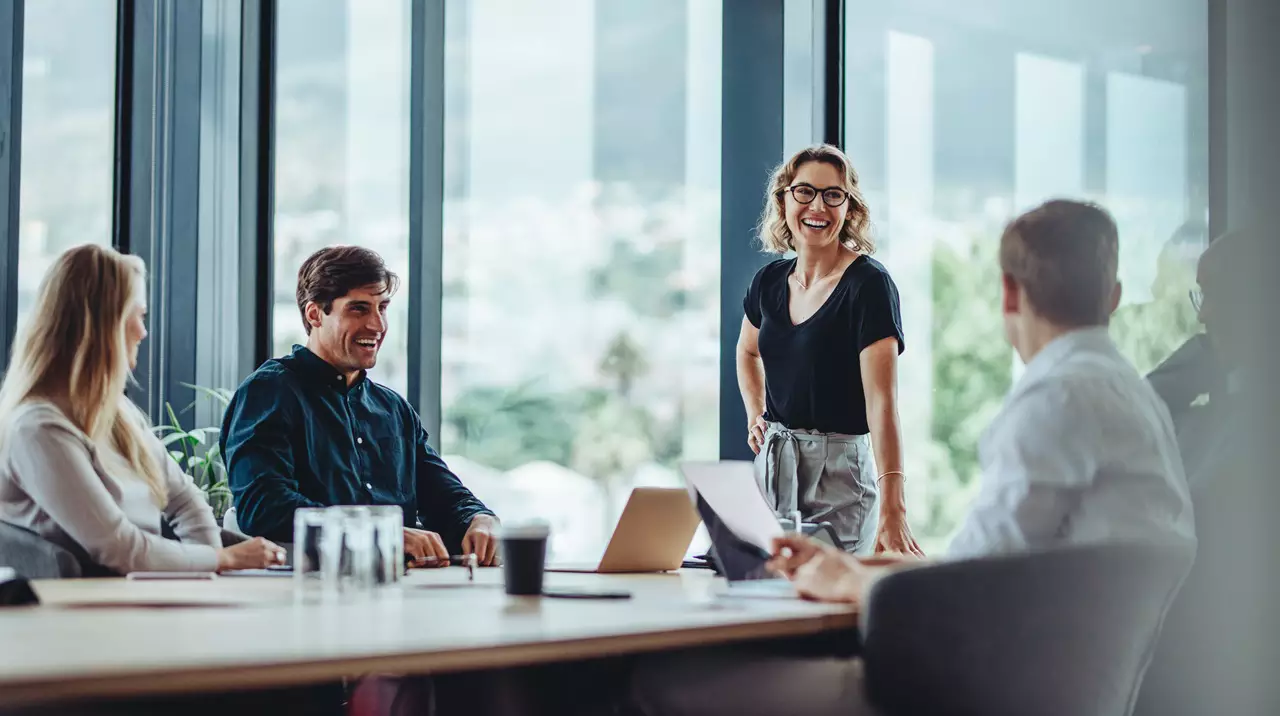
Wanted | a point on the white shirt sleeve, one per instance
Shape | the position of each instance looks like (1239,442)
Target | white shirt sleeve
(58,474)
(1039,456)
(188,510)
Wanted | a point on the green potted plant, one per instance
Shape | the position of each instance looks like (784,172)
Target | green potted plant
(197,451)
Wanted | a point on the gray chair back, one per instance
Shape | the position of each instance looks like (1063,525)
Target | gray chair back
(35,557)
(1054,633)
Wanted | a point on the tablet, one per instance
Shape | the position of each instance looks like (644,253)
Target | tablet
(172,575)
(580,593)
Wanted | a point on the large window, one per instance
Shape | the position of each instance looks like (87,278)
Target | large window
(961,116)
(581,253)
(68,120)
(342,152)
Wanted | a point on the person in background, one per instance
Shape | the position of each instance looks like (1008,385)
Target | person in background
(310,429)
(1202,381)
(1148,332)
(1083,452)
(817,359)
(79,464)
(1220,391)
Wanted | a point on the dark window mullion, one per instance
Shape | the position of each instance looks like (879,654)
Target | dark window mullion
(11,30)
(257,179)
(833,73)
(121,213)
(426,201)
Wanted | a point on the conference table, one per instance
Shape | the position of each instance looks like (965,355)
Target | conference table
(100,638)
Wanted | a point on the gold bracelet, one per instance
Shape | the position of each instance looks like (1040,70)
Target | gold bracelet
(892,472)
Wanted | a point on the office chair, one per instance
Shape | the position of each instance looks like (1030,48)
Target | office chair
(1053,633)
(35,557)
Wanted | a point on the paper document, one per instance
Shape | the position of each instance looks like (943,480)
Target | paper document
(729,487)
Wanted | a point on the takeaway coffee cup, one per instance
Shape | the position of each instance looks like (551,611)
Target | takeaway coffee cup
(524,556)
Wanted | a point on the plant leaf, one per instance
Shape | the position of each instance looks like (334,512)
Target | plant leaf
(177,455)
(173,438)
(173,417)
(221,395)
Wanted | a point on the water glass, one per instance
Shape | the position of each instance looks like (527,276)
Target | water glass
(352,554)
(311,527)
(388,544)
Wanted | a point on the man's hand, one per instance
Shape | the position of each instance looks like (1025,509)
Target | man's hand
(421,544)
(894,535)
(791,552)
(481,541)
(818,571)
(822,572)
(833,576)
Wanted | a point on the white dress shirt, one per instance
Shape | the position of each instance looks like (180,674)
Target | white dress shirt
(1083,452)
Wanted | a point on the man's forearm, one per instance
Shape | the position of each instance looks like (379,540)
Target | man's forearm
(857,579)
(444,503)
(867,571)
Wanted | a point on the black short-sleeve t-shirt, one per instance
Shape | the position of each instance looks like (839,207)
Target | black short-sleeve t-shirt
(812,376)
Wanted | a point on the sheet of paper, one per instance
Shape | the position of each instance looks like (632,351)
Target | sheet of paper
(730,488)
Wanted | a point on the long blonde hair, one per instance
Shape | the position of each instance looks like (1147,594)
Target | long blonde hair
(73,345)
(775,235)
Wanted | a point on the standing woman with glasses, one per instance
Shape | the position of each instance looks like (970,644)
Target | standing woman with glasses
(818,360)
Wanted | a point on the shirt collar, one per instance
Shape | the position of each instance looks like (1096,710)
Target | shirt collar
(1092,339)
(315,368)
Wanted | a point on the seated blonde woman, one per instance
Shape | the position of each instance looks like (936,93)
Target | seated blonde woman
(78,464)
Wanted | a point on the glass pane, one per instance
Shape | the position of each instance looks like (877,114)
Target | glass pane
(342,153)
(68,133)
(581,311)
(958,123)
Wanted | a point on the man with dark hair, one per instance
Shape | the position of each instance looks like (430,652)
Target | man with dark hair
(1082,453)
(311,430)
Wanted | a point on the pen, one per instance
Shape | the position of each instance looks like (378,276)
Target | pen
(455,560)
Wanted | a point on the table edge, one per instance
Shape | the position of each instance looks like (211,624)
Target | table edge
(247,677)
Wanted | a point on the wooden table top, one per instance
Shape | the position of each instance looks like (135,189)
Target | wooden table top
(113,637)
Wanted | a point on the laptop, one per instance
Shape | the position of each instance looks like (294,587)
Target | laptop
(742,562)
(652,535)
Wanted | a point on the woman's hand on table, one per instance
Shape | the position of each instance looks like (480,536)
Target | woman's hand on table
(255,553)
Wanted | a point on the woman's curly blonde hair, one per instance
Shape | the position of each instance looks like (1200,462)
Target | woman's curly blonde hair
(775,235)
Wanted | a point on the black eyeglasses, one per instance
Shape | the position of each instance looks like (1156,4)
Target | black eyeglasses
(805,194)
(1197,298)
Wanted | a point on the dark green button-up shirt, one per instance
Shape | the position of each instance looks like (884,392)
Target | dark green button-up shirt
(295,435)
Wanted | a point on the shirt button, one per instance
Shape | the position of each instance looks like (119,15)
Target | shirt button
(359,441)
(368,487)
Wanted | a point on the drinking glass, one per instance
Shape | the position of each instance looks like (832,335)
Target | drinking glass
(388,544)
(355,557)
(312,526)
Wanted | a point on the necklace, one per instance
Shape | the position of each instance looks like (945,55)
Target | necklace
(805,286)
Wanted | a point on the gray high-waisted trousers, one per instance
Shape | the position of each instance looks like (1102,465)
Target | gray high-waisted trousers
(828,477)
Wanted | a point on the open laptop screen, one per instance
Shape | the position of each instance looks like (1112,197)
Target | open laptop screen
(737,559)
